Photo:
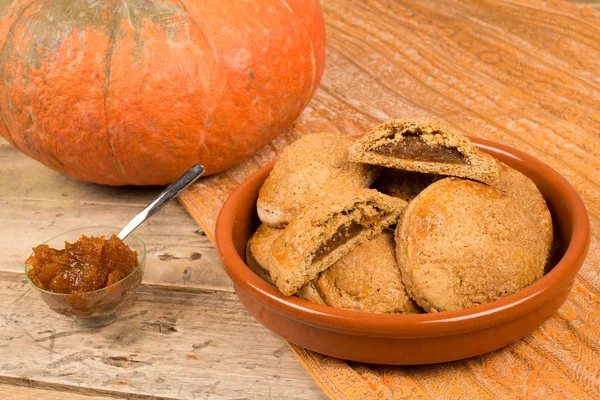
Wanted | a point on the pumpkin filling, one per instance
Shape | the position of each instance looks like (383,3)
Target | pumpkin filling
(341,236)
(414,148)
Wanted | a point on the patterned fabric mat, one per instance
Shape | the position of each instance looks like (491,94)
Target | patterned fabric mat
(520,73)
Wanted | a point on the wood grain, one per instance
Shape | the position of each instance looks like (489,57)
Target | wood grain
(13,392)
(171,343)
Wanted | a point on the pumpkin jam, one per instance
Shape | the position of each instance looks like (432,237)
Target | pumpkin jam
(89,264)
(414,148)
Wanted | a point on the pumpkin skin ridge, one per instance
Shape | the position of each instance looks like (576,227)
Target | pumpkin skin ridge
(8,134)
(106,86)
(35,136)
(313,61)
(52,161)
(295,17)
(74,137)
(137,30)
(228,142)
(316,75)
(197,151)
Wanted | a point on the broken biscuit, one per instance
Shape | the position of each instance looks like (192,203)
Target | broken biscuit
(326,231)
(424,146)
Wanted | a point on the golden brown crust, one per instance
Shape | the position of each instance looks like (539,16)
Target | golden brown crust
(312,166)
(309,292)
(306,246)
(258,254)
(258,251)
(367,279)
(373,148)
(462,243)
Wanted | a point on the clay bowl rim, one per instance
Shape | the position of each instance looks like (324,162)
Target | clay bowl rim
(412,325)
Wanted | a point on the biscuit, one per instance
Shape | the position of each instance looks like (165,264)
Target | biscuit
(258,252)
(424,146)
(314,165)
(326,231)
(461,243)
(403,184)
(309,292)
(367,279)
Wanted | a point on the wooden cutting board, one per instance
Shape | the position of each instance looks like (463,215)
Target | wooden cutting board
(522,73)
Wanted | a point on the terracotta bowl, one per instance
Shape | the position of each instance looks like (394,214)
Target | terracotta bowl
(410,339)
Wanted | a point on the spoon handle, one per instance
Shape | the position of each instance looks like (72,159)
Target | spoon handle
(189,177)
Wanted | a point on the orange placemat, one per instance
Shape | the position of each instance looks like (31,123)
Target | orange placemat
(522,73)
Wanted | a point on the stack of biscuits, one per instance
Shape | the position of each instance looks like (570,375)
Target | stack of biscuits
(410,218)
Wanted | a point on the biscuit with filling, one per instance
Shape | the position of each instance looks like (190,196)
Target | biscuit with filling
(258,252)
(426,146)
(326,231)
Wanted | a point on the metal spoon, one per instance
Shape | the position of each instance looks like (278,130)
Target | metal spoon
(185,180)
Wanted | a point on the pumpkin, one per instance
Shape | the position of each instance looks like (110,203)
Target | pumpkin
(136,91)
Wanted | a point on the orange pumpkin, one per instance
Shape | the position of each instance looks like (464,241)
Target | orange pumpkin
(136,91)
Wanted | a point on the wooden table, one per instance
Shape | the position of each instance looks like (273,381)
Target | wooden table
(186,335)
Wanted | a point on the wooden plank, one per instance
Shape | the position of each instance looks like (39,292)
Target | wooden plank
(23,177)
(14,392)
(178,253)
(37,203)
(173,343)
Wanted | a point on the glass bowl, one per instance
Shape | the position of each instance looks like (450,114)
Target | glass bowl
(99,307)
